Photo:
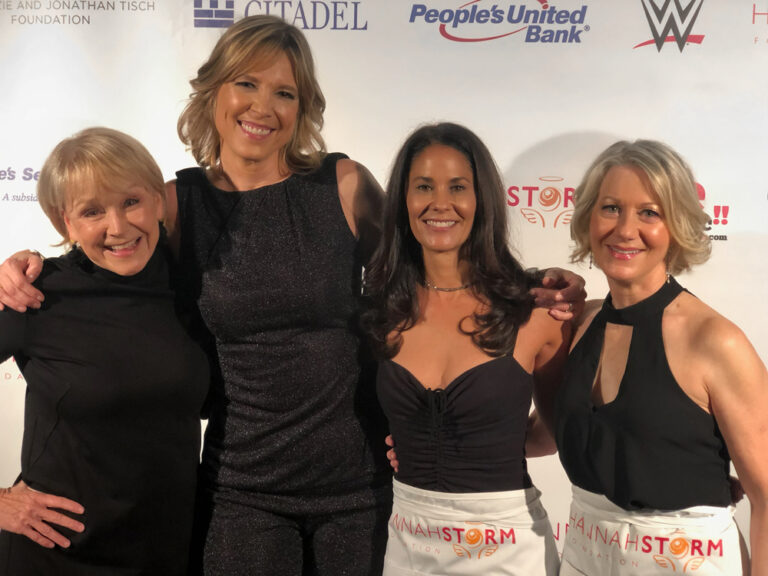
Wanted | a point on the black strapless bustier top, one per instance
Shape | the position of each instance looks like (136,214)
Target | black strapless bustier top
(468,437)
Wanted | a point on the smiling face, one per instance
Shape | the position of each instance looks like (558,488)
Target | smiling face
(628,233)
(117,230)
(441,198)
(256,113)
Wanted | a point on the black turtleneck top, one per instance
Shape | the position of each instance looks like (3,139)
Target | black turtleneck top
(112,418)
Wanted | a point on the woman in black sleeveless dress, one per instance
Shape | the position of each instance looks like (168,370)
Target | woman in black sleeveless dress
(661,391)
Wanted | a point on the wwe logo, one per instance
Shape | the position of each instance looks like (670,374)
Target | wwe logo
(672,18)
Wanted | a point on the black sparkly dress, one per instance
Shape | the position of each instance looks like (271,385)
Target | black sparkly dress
(112,419)
(294,431)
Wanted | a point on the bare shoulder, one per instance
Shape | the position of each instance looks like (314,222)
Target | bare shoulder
(701,327)
(348,181)
(346,169)
(349,175)
(361,200)
(542,322)
(543,331)
(715,352)
(170,192)
(172,216)
(355,180)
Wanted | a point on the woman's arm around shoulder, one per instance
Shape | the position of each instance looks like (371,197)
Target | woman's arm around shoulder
(736,382)
(561,291)
(16,276)
(553,339)
(362,201)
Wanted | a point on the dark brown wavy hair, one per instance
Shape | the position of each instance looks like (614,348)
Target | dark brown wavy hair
(397,267)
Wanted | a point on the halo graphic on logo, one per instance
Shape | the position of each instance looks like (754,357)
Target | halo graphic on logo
(475,544)
(551,202)
(680,548)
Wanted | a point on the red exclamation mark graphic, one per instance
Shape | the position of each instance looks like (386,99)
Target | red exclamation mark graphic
(721,210)
(544,4)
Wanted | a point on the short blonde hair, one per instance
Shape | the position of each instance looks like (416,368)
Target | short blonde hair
(94,159)
(249,43)
(672,181)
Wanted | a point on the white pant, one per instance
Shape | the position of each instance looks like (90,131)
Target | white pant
(603,539)
(499,533)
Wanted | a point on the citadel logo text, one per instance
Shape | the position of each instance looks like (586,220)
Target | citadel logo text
(336,15)
(536,23)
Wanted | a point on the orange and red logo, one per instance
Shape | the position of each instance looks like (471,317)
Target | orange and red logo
(471,540)
(548,204)
(682,557)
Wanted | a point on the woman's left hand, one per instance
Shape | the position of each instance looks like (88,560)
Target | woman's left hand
(562,291)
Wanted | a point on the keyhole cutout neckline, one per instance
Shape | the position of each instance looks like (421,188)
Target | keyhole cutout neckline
(630,317)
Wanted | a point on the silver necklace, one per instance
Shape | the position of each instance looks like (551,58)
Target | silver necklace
(429,284)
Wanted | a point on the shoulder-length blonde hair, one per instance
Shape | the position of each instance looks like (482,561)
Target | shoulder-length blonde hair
(672,181)
(249,43)
(93,160)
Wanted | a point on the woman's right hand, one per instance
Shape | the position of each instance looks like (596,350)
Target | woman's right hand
(16,276)
(391,455)
(30,513)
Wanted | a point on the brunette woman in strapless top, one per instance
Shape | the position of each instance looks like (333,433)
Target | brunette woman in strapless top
(464,352)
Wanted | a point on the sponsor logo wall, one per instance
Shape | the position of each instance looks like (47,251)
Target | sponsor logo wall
(546,84)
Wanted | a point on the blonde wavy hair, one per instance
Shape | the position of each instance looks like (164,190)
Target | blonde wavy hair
(250,43)
(671,180)
(94,159)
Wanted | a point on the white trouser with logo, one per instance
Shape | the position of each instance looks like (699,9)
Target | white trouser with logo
(499,533)
(605,540)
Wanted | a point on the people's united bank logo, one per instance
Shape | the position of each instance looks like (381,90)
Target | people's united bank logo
(478,21)
(214,13)
(672,21)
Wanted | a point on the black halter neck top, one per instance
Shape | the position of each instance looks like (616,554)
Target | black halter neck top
(652,446)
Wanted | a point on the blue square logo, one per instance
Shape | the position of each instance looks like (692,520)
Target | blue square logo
(214,13)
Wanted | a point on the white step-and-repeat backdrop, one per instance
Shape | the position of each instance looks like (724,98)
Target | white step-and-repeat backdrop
(546,84)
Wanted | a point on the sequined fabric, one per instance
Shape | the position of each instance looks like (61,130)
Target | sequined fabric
(294,426)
